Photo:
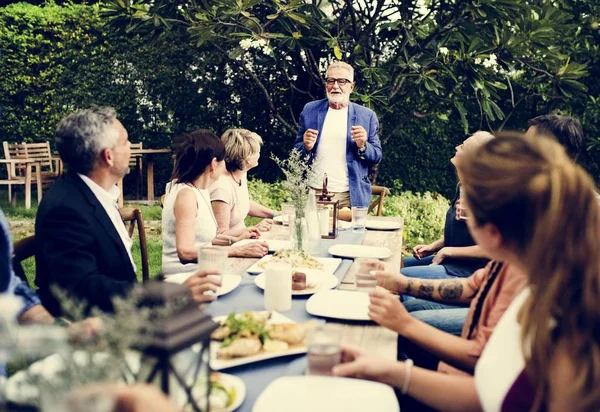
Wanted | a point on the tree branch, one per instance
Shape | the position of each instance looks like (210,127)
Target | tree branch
(292,128)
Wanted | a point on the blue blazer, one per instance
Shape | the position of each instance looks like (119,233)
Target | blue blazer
(313,117)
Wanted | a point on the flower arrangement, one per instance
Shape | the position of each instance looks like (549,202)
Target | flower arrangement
(298,171)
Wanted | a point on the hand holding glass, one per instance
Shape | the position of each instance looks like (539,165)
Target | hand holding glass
(365,277)
(324,350)
(213,259)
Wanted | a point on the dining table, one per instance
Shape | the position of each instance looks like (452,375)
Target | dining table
(248,297)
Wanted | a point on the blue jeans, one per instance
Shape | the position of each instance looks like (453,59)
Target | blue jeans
(422,268)
(448,318)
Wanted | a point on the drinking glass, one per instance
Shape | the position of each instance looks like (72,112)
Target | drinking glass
(287,210)
(462,209)
(365,274)
(324,349)
(213,258)
(359,219)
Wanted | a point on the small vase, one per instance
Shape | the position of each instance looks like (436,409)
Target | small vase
(299,233)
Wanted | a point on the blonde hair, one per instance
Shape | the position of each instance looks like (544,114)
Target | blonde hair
(546,209)
(340,65)
(240,144)
(480,137)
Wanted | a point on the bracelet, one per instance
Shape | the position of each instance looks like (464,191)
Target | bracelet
(409,364)
(274,214)
(230,241)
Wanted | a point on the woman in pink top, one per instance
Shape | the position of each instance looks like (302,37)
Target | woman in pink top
(533,208)
(229,196)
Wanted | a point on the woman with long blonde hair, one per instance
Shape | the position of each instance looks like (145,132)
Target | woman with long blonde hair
(529,206)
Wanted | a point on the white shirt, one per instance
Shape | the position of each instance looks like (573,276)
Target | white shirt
(205,228)
(108,200)
(502,359)
(331,152)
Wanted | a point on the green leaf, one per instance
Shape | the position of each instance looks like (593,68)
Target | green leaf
(297,17)
(337,52)
(463,115)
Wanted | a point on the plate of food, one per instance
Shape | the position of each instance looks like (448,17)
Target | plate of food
(274,244)
(360,251)
(305,281)
(297,259)
(377,224)
(228,282)
(248,337)
(227,392)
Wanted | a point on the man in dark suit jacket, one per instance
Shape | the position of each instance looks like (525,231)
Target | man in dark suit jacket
(80,246)
(342,137)
(83,245)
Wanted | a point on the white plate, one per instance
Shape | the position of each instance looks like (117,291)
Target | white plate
(375,224)
(321,280)
(325,394)
(360,251)
(231,381)
(228,283)
(218,364)
(339,304)
(274,244)
(330,265)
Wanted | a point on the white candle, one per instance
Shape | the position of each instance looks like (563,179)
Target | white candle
(278,287)
(324,221)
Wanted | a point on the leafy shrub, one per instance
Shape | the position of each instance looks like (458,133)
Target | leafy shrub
(271,195)
(423,214)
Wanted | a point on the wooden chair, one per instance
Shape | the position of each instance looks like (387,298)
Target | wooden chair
(135,161)
(21,159)
(132,216)
(23,249)
(377,204)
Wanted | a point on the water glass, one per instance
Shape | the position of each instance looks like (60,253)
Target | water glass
(288,210)
(365,277)
(359,219)
(461,210)
(324,350)
(213,258)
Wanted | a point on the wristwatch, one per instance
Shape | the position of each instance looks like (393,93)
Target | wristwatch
(362,151)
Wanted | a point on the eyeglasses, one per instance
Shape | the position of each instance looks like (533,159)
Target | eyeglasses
(330,81)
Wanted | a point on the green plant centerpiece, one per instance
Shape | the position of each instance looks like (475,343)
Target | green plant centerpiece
(298,171)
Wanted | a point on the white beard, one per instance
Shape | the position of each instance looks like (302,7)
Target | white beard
(338,98)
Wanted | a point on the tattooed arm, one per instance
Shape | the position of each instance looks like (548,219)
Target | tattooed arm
(451,291)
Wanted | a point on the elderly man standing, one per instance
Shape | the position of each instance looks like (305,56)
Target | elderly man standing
(341,137)
(83,246)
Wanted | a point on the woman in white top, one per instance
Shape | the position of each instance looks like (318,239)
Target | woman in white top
(229,194)
(187,218)
(530,206)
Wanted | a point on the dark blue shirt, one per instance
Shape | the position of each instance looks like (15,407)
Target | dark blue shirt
(456,234)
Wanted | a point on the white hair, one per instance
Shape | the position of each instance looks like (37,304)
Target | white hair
(341,65)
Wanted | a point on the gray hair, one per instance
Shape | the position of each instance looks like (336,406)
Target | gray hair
(83,135)
(341,65)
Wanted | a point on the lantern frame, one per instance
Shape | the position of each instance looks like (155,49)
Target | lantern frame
(181,326)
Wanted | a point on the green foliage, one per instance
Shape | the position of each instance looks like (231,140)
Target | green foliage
(298,173)
(271,195)
(423,214)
